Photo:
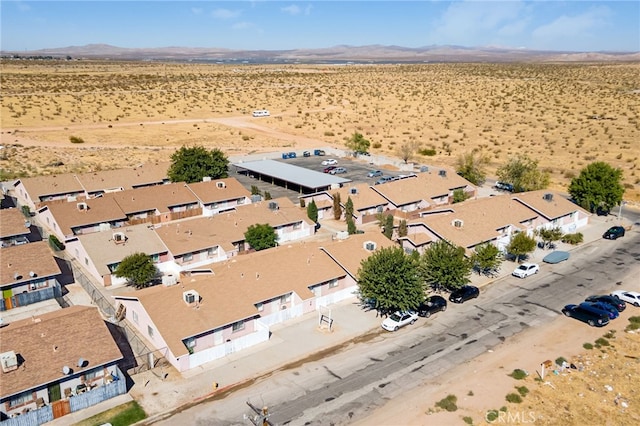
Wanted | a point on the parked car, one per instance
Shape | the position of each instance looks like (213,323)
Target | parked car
(286,155)
(365,153)
(608,309)
(464,293)
(431,305)
(526,269)
(611,300)
(399,319)
(632,297)
(330,162)
(374,173)
(556,257)
(328,169)
(306,154)
(594,319)
(338,170)
(504,186)
(318,152)
(385,179)
(614,233)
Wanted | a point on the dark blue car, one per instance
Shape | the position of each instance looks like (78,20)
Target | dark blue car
(611,312)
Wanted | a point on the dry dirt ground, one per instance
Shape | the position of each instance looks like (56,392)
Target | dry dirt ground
(563,115)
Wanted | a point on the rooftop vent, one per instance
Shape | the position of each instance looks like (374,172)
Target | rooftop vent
(82,206)
(547,197)
(9,361)
(119,238)
(81,362)
(66,370)
(442,173)
(32,274)
(369,245)
(221,185)
(353,191)
(190,297)
(457,223)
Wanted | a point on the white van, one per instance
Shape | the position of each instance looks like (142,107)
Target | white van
(261,113)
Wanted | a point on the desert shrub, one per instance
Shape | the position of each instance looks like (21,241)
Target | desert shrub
(328,133)
(518,374)
(514,398)
(75,139)
(601,342)
(448,403)
(573,239)
(468,420)
(55,243)
(429,152)
(611,334)
(26,211)
(588,346)
(470,393)
(560,360)
(376,145)
(634,323)
(522,390)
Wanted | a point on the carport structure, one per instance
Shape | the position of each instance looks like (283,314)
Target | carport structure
(299,179)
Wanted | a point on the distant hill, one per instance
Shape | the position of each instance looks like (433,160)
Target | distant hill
(371,53)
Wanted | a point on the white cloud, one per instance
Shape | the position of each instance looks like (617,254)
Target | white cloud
(225,13)
(573,27)
(196,10)
(293,9)
(242,25)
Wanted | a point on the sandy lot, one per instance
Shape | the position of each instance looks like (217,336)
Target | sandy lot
(564,115)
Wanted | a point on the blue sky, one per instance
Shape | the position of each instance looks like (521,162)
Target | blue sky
(271,25)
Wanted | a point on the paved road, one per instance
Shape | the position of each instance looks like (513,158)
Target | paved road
(340,388)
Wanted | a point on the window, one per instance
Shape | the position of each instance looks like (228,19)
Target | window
(260,306)
(241,200)
(296,225)
(286,298)
(155,258)
(113,267)
(91,375)
(21,399)
(187,257)
(333,283)
(41,283)
(150,331)
(211,251)
(237,326)
(134,315)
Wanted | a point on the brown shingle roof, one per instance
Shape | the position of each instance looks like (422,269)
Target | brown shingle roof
(211,192)
(51,341)
(364,198)
(481,219)
(158,197)
(12,223)
(41,186)
(23,259)
(351,252)
(69,216)
(127,178)
(556,206)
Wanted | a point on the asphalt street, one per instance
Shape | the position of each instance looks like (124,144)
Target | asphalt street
(339,388)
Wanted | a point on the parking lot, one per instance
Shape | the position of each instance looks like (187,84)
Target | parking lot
(357,169)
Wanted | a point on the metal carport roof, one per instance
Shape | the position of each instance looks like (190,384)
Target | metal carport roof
(293,174)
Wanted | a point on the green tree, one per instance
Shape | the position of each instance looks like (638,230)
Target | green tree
(444,266)
(357,143)
(402,228)
(597,187)
(312,211)
(522,172)
(191,164)
(255,190)
(138,269)
(459,195)
(391,278)
(486,258)
(261,236)
(550,235)
(267,195)
(337,208)
(351,226)
(388,226)
(472,166)
(348,209)
(520,245)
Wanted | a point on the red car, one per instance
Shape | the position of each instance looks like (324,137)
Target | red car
(328,169)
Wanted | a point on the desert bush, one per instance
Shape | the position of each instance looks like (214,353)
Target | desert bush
(588,346)
(76,139)
(518,374)
(602,342)
(429,152)
(522,390)
(55,243)
(573,239)
(492,415)
(448,403)
(634,324)
(468,420)
(514,398)
(560,360)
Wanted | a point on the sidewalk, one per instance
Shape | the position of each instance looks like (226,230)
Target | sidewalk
(163,390)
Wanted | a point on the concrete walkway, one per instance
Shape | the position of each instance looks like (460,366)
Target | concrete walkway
(163,390)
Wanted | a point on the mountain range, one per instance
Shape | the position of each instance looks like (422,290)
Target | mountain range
(342,53)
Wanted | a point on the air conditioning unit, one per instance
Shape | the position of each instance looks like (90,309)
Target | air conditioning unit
(119,238)
(9,361)
(190,297)
(353,191)
(221,185)
(206,178)
(369,245)
(273,205)
(548,197)
(82,206)
(442,173)
(169,280)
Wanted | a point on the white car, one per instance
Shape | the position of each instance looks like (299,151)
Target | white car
(399,319)
(526,269)
(329,162)
(632,297)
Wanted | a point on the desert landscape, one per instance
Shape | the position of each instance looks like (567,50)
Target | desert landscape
(74,116)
